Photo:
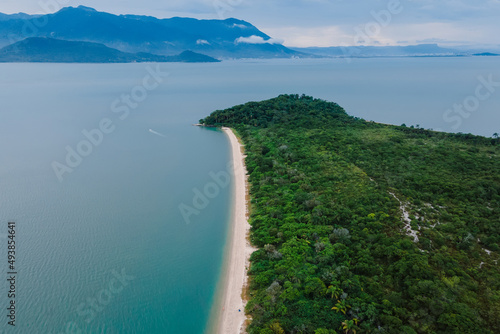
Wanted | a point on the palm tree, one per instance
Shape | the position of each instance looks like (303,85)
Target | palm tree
(349,326)
(335,291)
(341,306)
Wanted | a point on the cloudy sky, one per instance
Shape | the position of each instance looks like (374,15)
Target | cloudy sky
(320,22)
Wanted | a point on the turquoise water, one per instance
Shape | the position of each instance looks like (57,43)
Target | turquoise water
(117,212)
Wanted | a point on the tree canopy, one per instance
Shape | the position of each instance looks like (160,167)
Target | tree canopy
(365,227)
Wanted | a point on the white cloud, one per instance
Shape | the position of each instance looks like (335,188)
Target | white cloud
(257,40)
(242,26)
(440,32)
(316,36)
(317,22)
(202,42)
(443,33)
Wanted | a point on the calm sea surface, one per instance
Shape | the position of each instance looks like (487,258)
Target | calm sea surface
(106,248)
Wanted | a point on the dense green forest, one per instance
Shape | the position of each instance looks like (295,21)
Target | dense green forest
(364,227)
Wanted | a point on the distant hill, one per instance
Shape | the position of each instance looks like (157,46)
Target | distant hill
(488,54)
(190,57)
(229,38)
(382,51)
(39,49)
(18,16)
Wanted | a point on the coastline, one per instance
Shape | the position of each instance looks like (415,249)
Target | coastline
(238,251)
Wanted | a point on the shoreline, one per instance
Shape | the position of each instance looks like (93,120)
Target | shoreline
(238,250)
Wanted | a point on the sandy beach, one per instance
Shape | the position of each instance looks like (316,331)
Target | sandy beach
(231,320)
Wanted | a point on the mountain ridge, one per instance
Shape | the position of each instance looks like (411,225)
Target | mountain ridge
(229,38)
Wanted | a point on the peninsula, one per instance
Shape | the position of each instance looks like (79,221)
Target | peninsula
(362,226)
(50,50)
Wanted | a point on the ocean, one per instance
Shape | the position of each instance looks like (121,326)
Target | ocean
(122,206)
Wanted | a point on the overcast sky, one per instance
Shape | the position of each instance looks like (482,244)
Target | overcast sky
(320,22)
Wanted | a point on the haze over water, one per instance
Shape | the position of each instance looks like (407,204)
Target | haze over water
(118,211)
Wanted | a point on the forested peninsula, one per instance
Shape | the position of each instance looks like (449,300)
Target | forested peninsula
(364,227)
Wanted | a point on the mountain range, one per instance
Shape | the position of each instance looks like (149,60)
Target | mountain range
(230,38)
(145,38)
(420,50)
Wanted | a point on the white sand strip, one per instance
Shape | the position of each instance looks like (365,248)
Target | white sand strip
(232,321)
